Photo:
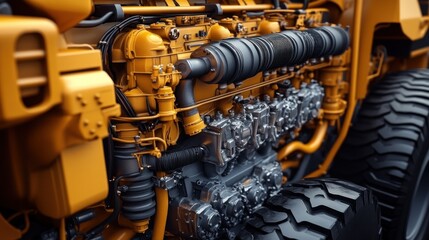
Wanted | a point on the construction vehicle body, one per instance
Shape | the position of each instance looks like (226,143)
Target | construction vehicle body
(192,119)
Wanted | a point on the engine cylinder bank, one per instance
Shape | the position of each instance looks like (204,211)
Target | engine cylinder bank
(234,60)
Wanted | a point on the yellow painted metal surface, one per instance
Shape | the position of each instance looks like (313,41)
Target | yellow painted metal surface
(56,101)
(27,42)
(65,13)
(405,12)
(64,187)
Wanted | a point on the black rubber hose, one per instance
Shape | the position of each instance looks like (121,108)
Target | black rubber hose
(302,169)
(94,22)
(305,4)
(138,201)
(108,152)
(173,160)
(276,4)
(149,110)
(125,104)
(185,96)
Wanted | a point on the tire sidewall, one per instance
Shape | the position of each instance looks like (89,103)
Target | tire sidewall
(409,186)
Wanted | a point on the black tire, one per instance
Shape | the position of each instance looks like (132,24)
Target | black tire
(387,150)
(317,209)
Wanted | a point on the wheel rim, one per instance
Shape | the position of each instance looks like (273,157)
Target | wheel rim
(419,204)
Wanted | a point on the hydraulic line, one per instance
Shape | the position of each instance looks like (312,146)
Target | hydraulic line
(161,211)
(62,230)
(310,147)
(211,99)
(162,10)
(95,22)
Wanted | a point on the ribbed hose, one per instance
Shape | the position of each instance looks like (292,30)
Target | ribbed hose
(174,160)
(96,231)
(234,60)
(138,201)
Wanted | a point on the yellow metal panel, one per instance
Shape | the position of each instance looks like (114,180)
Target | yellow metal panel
(84,174)
(87,91)
(74,60)
(77,179)
(12,108)
(404,12)
(65,13)
(410,16)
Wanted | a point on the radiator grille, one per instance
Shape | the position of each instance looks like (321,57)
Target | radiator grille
(30,59)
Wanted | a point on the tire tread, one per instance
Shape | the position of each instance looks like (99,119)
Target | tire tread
(309,209)
(394,117)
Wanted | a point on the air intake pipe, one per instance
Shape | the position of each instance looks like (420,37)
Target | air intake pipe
(234,60)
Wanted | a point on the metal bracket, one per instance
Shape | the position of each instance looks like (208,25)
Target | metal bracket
(168,182)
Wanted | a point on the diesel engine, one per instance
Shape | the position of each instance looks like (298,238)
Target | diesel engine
(205,100)
(203,119)
(209,94)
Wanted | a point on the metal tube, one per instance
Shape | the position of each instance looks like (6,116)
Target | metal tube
(310,147)
(238,8)
(161,211)
(151,10)
(140,10)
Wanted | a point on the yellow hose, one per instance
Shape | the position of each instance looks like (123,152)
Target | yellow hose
(161,211)
(310,147)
